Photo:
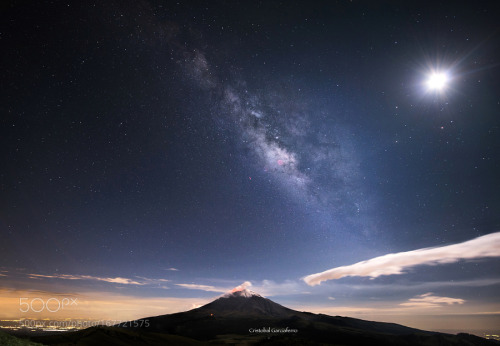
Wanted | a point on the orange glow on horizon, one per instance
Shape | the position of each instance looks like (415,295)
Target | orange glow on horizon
(38,305)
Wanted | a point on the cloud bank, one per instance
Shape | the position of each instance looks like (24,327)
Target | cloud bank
(209,288)
(395,264)
(266,288)
(206,288)
(117,280)
(428,300)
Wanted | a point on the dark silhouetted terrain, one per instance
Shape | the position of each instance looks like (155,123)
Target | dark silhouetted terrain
(246,318)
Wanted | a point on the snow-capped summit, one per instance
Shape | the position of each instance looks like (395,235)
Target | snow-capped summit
(241,293)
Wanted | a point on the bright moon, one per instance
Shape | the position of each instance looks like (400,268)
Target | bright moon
(437,81)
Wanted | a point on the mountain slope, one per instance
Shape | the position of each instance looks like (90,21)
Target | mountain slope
(240,311)
(113,336)
(10,340)
(244,317)
(246,303)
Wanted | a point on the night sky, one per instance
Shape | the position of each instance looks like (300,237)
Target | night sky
(163,152)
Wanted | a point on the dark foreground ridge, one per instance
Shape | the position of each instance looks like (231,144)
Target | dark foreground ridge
(245,318)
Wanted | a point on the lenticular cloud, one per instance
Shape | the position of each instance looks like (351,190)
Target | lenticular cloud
(394,264)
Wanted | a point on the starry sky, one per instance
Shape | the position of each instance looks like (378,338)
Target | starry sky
(158,153)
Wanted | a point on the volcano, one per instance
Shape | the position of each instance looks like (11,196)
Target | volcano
(245,317)
(246,303)
(235,312)
(256,319)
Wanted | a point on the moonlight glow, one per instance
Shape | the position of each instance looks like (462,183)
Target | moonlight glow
(437,81)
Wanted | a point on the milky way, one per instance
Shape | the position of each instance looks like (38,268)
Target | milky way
(317,168)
